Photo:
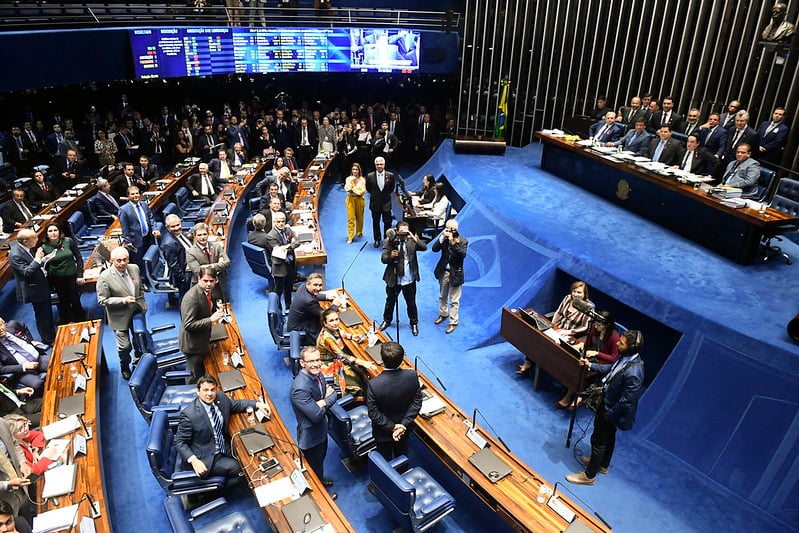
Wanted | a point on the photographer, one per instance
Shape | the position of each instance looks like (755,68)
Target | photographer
(449,273)
(402,272)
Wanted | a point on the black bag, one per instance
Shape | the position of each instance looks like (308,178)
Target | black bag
(593,396)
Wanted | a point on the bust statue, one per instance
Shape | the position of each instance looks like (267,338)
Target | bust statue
(778,30)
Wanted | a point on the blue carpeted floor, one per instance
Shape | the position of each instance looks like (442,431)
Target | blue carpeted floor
(715,442)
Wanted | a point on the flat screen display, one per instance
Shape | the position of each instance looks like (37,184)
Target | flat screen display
(172,52)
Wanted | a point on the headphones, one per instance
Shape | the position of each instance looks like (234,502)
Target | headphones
(635,344)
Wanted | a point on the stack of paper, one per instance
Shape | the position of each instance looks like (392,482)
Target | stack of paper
(55,520)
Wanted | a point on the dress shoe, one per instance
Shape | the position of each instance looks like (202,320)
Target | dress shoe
(359,235)
(383,325)
(602,469)
(327,482)
(580,479)
(334,496)
(377,244)
(349,241)
(450,328)
(145,287)
(559,405)
(439,320)
(415,330)
(126,373)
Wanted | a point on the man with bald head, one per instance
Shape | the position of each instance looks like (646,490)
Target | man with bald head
(28,262)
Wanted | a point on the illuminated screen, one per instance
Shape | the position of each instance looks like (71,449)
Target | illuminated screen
(171,52)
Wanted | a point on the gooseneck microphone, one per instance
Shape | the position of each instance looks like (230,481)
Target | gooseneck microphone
(474,421)
(353,262)
(418,359)
(587,309)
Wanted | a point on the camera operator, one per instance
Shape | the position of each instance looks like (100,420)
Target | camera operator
(449,273)
(402,272)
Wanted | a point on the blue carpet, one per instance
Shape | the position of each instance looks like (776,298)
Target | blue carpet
(715,442)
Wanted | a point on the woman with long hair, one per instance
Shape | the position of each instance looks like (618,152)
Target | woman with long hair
(65,273)
(355,185)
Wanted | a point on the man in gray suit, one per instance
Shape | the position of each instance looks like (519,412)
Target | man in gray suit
(284,268)
(31,282)
(199,310)
(743,172)
(207,253)
(119,290)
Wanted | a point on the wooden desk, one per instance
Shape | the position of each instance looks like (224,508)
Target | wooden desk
(59,218)
(177,178)
(59,385)
(514,497)
(543,351)
(310,183)
(239,189)
(285,449)
(733,233)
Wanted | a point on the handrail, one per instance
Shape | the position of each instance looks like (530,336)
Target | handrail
(48,15)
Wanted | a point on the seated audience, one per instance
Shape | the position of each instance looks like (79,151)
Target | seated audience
(31,441)
(665,149)
(696,159)
(636,140)
(257,236)
(743,172)
(607,130)
(201,185)
(19,358)
(104,202)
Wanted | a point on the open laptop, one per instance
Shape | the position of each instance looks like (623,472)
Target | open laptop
(490,465)
(535,320)
(255,439)
(59,481)
(303,515)
(231,380)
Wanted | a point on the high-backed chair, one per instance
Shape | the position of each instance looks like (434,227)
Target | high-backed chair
(82,233)
(432,232)
(167,350)
(187,207)
(157,389)
(785,200)
(351,428)
(259,263)
(235,522)
(167,465)
(157,273)
(766,185)
(277,323)
(97,218)
(410,494)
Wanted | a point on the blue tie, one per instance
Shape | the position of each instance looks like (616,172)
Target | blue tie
(658,151)
(142,219)
(220,437)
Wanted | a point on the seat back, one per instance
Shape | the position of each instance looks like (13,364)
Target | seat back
(396,494)
(787,197)
(161,454)
(351,428)
(182,198)
(94,215)
(275,319)
(77,226)
(146,385)
(170,209)
(766,184)
(259,263)
(154,266)
(255,204)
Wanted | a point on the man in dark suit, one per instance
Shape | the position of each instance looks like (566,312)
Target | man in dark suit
(16,212)
(631,113)
(305,310)
(201,184)
(257,237)
(691,123)
(623,383)
(449,273)
(284,269)
(104,202)
(207,253)
(743,172)
(311,398)
(137,223)
(381,185)
(713,137)
(696,159)
(31,282)
(126,144)
(740,134)
(70,170)
(206,144)
(221,168)
(21,359)
(306,139)
(727,119)
(41,192)
(203,439)
(272,191)
(393,400)
(665,149)
(119,290)
(402,272)
(636,140)
(199,310)
(146,171)
(773,135)
(665,117)
(426,138)
(606,130)
(126,180)
(174,245)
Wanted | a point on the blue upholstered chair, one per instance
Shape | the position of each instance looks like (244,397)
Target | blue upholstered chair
(158,389)
(259,263)
(235,522)
(766,185)
(351,428)
(166,350)
(156,272)
(277,323)
(785,200)
(82,233)
(167,466)
(410,494)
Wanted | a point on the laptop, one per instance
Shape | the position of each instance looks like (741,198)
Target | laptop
(218,333)
(231,380)
(350,318)
(59,481)
(490,465)
(72,405)
(571,348)
(303,515)
(73,352)
(535,320)
(255,439)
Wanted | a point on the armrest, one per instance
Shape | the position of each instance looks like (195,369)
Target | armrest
(98,226)
(433,505)
(167,408)
(345,401)
(41,347)
(400,463)
(164,327)
(210,506)
(176,375)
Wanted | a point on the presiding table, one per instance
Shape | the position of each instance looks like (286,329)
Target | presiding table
(692,213)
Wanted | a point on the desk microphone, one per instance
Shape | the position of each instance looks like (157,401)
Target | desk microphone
(353,262)
(85,368)
(588,309)
(474,426)
(417,359)
(86,430)
(573,495)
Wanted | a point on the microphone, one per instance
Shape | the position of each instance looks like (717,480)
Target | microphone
(95,507)
(353,262)
(573,495)
(419,358)
(294,448)
(85,368)
(587,309)
(474,427)
(86,430)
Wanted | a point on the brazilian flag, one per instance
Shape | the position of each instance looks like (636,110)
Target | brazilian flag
(502,109)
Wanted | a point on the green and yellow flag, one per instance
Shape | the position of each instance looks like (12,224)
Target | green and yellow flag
(502,109)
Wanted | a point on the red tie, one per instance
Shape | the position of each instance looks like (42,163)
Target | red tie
(291,165)
(208,257)
(210,303)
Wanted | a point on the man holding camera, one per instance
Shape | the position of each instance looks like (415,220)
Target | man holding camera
(449,273)
(402,272)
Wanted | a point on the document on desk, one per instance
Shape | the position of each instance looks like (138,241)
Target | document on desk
(55,520)
(60,480)
(554,334)
(62,427)
(275,491)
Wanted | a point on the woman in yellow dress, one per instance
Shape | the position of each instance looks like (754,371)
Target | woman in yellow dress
(355,185)
(335,362)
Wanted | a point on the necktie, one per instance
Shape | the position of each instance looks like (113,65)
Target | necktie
(208,254)
(320,381)
(210,302)
(283,237)
(142,219)
(25,211)
(129,282)
(665,121)
(220,437)
(424,135)
(658,151)
(709,134)
(771,128)
(737,137)
(686,161)
(731,172)
(14,346)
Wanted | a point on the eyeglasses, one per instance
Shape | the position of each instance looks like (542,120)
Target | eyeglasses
(24,428)
(312,361)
